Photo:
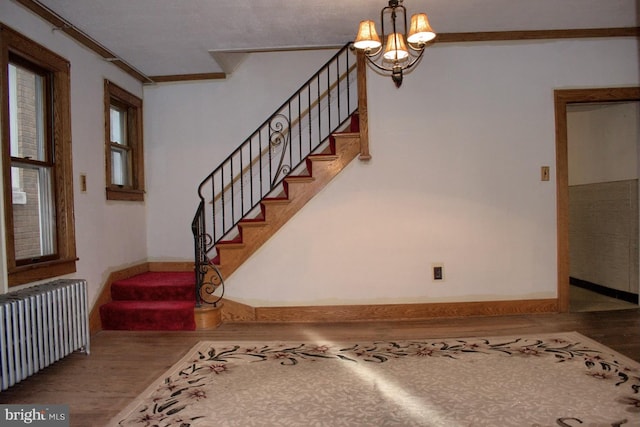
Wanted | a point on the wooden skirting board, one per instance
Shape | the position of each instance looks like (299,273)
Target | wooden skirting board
(236,312)
(232,311)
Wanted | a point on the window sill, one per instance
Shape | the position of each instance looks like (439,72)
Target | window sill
(41,271)
(126,194)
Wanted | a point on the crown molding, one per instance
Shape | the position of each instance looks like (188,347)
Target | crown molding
(63,25)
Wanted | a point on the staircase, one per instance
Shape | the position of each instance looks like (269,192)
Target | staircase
(276,171)
(161,301)
(251,195)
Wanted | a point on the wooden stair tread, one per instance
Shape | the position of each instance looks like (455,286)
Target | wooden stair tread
(253,223)
(300,178)
(276,201)
(323,157)
(227,244)
(346,135)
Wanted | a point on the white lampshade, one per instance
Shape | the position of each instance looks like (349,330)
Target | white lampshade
(396,49)
(367,36)
(420,31)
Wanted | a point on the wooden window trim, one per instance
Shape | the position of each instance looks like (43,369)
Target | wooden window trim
(65,263)
(135,192)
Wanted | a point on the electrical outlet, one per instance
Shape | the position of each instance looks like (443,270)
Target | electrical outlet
(438,272)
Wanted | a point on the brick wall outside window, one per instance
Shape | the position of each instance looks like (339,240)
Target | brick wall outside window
(26,216)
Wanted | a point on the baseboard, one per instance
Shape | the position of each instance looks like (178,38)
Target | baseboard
(604,290)
(171,266)
(339,313)
(236,312)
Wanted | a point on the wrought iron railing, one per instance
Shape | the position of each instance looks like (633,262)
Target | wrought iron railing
(255,170)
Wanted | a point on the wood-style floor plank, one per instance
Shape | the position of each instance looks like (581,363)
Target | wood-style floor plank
(122,364)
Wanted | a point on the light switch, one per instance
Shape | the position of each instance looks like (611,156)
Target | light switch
(544,173)
(83,182)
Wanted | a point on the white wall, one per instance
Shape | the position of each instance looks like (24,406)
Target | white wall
(109,235)
(603,140)
(455,177)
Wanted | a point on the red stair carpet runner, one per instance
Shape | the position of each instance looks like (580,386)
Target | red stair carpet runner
(152,301)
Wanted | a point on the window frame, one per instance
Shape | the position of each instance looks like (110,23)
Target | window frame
(115,95)
(13,44)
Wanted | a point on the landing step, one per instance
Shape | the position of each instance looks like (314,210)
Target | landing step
(156,286)
(148,316)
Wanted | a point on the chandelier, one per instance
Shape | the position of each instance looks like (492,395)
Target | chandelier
(402,49)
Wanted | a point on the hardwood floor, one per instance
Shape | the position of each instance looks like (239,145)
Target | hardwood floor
(123,364)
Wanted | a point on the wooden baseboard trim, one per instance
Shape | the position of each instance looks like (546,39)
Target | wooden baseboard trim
(339,313)
(232,311)
(171,266)
(95,324)
(236,312)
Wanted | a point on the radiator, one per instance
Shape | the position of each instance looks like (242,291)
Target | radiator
(40,325)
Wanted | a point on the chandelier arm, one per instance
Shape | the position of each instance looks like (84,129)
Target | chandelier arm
(376,65)
(416,59)
(421,46)
(372,54)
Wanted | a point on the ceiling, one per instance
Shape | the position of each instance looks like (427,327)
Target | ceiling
(177,37)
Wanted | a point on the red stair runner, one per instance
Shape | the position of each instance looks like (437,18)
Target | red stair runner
(160,301)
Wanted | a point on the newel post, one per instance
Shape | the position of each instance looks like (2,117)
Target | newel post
(363,109)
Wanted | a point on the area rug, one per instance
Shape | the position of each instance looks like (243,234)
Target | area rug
(540,380)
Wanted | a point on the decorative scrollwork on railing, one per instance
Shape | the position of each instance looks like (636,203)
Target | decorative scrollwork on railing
(211,290)
(209,286)
(207,242)
(279,136)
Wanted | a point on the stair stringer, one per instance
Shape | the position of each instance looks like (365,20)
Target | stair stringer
(276,211)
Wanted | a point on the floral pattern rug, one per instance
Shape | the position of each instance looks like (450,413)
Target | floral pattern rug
(561,379)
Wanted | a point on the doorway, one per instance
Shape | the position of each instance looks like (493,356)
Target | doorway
(597,199)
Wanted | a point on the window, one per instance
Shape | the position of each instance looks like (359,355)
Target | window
(123,136)
(36,160)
